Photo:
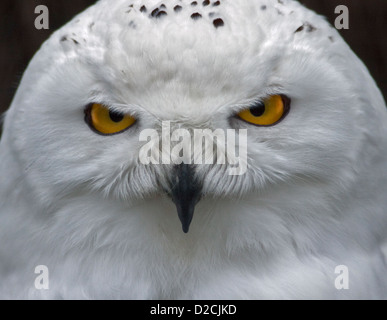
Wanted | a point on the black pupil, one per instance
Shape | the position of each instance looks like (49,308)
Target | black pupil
(116,116)
(258,110)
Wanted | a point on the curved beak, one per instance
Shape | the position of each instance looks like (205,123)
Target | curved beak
(186,192)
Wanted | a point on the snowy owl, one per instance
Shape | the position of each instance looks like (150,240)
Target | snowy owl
(306,220)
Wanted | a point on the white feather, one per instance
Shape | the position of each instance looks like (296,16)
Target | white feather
(313,198)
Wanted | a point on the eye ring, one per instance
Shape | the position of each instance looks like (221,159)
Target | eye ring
(266,113)
(106,122)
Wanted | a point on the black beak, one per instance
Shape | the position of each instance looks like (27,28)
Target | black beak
(186,192)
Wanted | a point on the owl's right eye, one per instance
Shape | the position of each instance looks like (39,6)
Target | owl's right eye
(105,121)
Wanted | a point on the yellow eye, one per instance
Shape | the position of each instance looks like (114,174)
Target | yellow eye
(107,122)
(268,112)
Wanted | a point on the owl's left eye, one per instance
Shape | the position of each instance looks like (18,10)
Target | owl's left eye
(267,112)
(105,121)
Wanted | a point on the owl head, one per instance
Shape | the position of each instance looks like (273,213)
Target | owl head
(300,108)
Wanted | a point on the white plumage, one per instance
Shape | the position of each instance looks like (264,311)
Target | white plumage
(313,197)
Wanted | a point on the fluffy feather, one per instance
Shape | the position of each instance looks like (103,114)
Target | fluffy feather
(314,195)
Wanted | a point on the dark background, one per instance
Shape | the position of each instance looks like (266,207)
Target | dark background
(19,39)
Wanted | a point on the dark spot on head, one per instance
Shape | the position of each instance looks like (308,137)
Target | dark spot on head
(132,25)
(155,12)
(218,23)
(75,41)
(206,3)
(64,38)
(143,9)
(211,14)
(263,7)
(309,27)
(299,29)
(280,12)
(178,8)
(196,16)
(194,3)
(280,2)
(217,3)
(130,10)
(131,6)
(161,14)
(331,39)
(91,25)
(163,6)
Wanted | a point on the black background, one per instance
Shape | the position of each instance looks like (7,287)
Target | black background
(19,39)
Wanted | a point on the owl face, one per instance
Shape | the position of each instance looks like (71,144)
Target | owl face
(123,68)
